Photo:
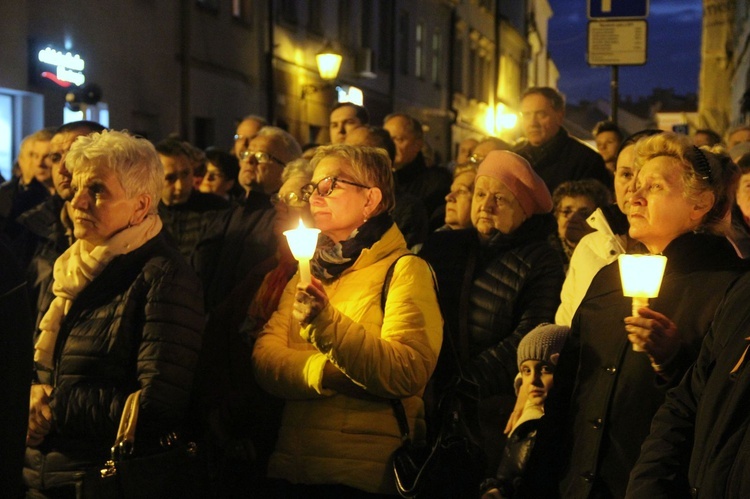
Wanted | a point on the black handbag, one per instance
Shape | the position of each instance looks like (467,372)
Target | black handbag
(452,463)
(176,471)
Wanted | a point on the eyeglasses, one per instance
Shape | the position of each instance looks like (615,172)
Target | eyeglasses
(260,157)
(476,159)
(290,199)
(460,191)
(568,212)
(211,176)
(326,186)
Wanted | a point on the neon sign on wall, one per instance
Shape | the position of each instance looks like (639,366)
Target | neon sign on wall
(69,67)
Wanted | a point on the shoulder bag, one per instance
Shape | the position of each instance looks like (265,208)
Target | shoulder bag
(175,471)
(452,463)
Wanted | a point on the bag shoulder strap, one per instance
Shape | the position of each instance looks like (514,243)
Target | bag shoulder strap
(398,407)
(126,432)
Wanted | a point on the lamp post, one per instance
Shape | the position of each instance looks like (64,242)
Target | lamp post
(641,279)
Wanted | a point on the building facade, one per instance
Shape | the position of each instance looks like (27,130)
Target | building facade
(195,67)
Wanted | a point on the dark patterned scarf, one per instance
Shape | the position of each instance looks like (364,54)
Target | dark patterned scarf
(332,258)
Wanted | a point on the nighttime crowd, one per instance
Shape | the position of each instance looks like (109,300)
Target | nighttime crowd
(152,311)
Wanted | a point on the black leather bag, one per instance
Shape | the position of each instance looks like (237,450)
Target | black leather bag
(175,471)
(452,463)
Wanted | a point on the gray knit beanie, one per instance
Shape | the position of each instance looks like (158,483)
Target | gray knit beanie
(544,343)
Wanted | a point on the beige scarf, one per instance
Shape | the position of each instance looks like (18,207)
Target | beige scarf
(75,269)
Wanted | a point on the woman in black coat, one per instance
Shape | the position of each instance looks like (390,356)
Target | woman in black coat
(698,445)
(605,392)
(498,280)
(126,315)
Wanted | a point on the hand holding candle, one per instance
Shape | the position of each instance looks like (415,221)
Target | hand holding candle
(641,279)
(302,241)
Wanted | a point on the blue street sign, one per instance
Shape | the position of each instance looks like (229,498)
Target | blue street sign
(617,9)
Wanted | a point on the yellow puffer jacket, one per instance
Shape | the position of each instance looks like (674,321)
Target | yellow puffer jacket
(332,438)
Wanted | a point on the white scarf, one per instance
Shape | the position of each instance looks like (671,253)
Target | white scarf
(76,268)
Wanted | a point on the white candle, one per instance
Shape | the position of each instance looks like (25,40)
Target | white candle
(302,241)
(641,277)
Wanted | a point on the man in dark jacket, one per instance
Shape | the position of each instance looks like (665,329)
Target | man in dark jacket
(555,155)
(699,443)
(185,211)
(234,244)
(22,193)
(411,173)
(49,226)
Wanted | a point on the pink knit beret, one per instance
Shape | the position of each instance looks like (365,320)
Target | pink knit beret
(518,176)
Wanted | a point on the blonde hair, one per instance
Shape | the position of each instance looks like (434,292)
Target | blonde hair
(132,159)
(703,171)
(370,166)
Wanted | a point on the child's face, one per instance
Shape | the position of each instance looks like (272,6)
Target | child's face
(537,379)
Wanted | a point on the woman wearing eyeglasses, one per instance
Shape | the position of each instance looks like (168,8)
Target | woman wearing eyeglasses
(330,349)
(498,279)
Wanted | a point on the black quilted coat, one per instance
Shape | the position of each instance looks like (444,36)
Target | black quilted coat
(136,326)
(494,293)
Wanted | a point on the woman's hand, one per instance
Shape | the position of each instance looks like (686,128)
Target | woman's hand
(309,301)
(40,414)
(492,494)
(655,333)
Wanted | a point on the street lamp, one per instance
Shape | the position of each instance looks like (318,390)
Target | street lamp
(329,63)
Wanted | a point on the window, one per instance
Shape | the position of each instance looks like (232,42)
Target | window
(314,16)
(6,135)
(288,12)
(458,66)
(345,21)
(242,10)
(403,45)
(385,35)
(209,4)
(419,51)
(437,46)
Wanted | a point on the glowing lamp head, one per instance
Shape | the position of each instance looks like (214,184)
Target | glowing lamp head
(641,274)
(302,241)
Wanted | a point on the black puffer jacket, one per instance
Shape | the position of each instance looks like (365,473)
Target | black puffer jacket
(494,293)
(136,326)
(565,158)
(187,221)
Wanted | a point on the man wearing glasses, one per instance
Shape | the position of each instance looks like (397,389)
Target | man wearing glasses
(262,163)
(49,225)
(232,246)
(246,130)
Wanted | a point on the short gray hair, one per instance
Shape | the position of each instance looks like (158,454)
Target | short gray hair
(292,149)
(132,159)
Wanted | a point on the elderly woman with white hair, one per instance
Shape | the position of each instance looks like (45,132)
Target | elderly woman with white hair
(127,315)
(498,279)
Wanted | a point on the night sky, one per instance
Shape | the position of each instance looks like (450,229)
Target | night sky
(673,57)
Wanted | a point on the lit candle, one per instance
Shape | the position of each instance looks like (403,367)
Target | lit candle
(641,279)
(302,241)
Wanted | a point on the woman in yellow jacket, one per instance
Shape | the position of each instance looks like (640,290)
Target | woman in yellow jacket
(333,353)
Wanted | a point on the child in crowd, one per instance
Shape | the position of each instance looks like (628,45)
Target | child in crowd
(537,357)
